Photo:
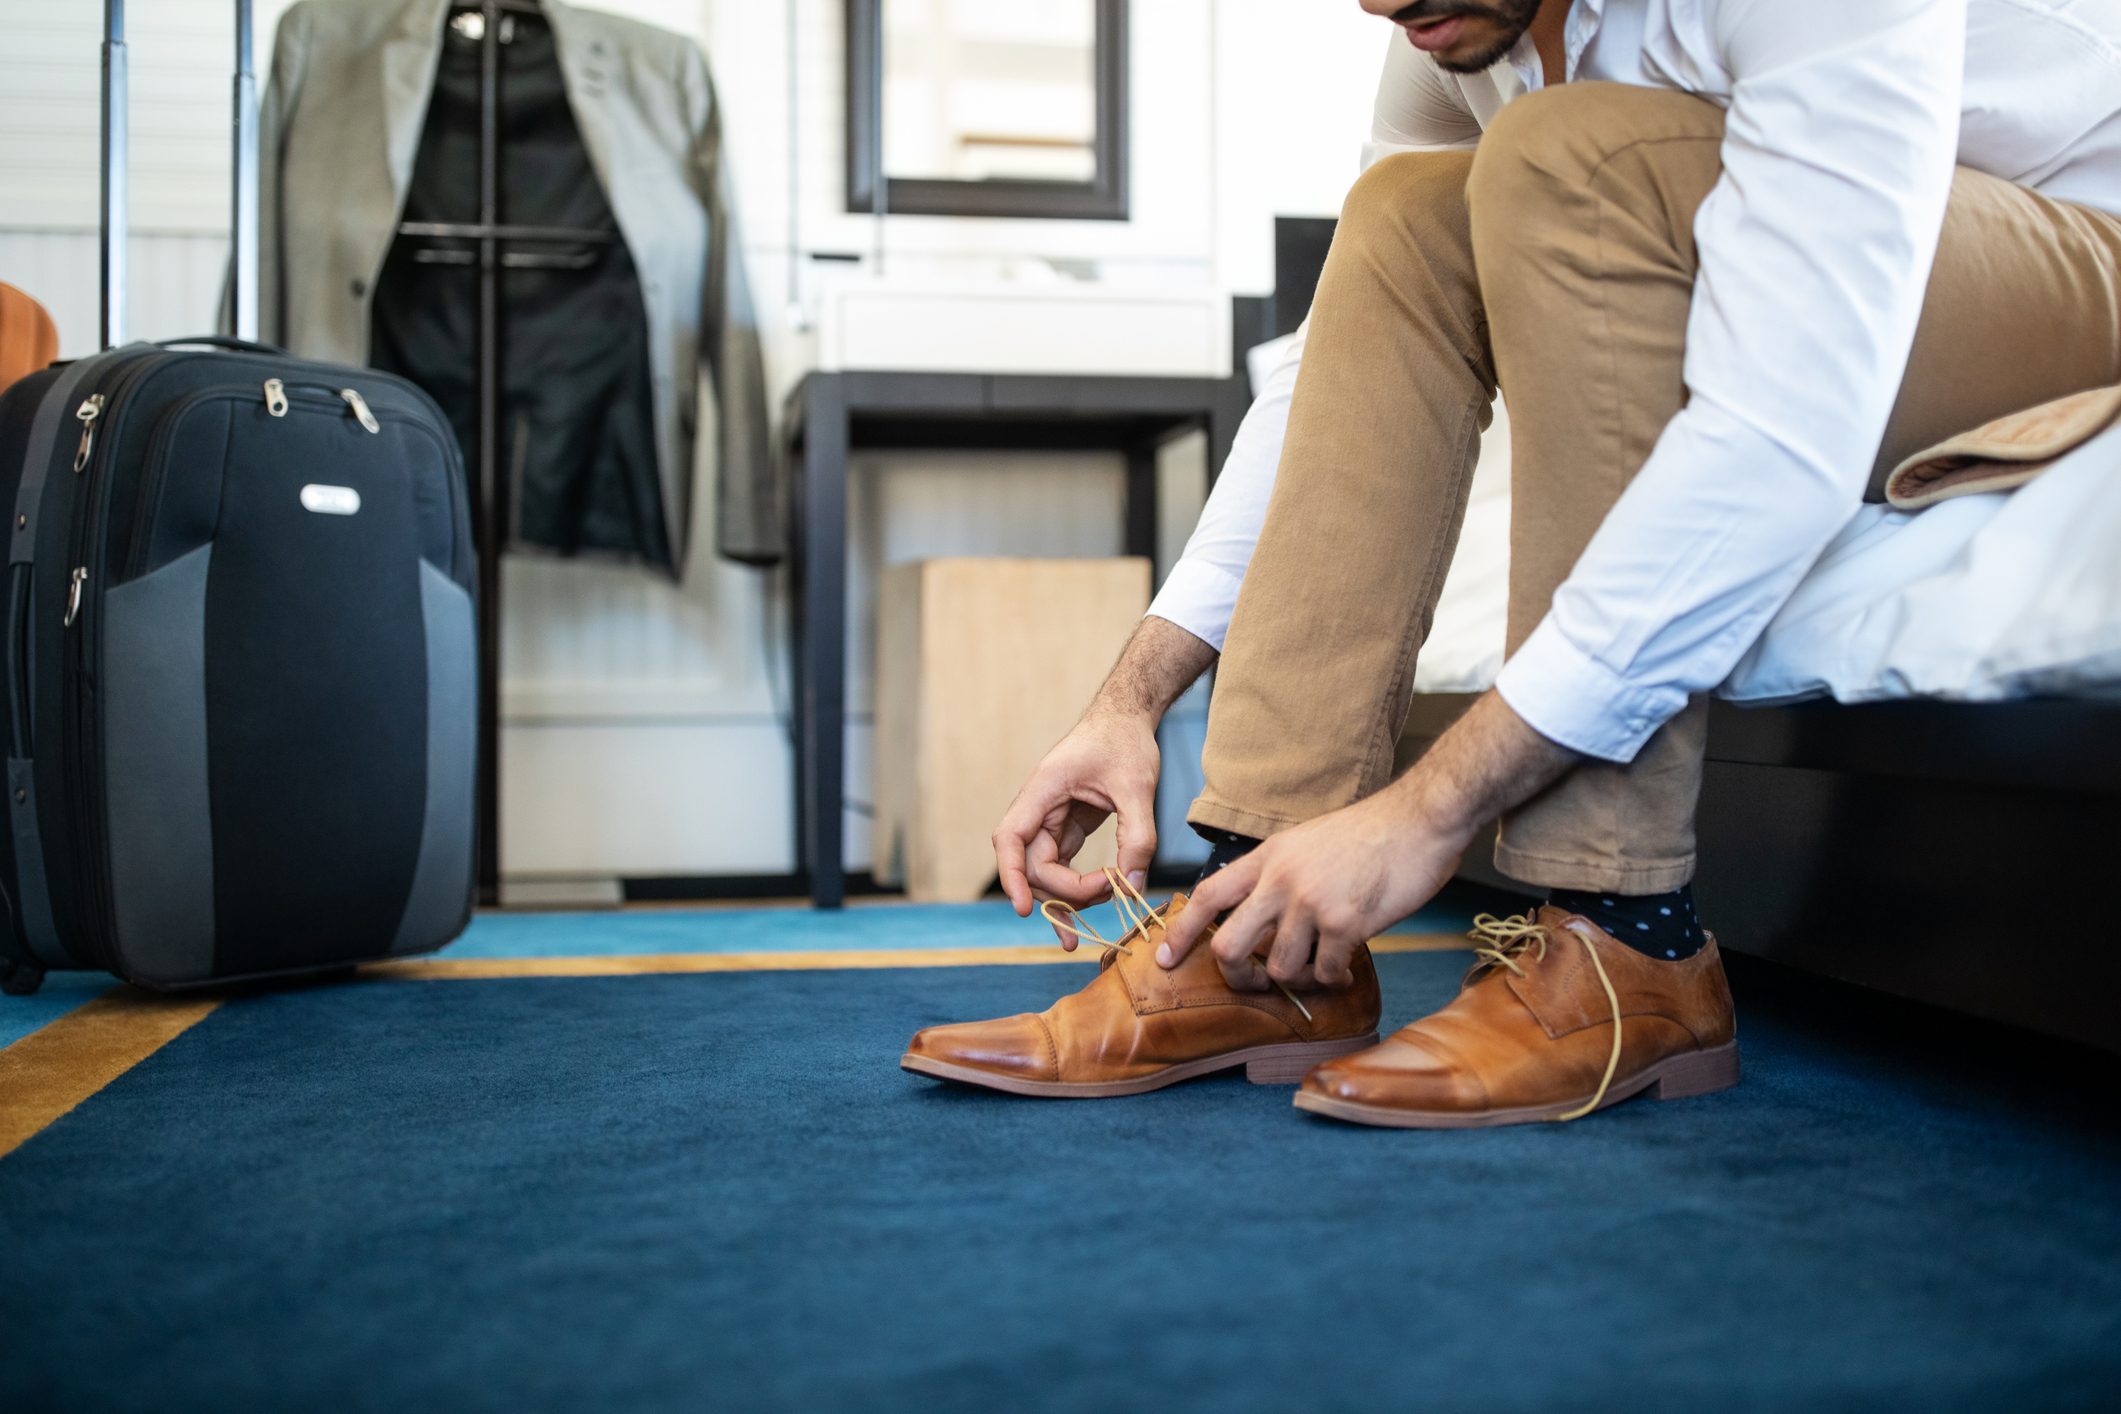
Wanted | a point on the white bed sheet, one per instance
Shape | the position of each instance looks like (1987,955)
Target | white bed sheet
(1984,598)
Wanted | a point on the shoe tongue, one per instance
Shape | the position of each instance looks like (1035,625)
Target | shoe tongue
(1562,991)
(1560,919)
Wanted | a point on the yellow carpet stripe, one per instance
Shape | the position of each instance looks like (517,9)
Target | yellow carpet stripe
(652,964)
(50,1071)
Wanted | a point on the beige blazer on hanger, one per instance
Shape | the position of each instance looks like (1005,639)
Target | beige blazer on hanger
(340,126)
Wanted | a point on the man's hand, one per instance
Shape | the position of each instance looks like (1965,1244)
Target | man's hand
(1307,897)
(1310,894)
(1107,765)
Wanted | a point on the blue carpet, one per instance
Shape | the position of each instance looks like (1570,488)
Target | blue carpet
(718,1192)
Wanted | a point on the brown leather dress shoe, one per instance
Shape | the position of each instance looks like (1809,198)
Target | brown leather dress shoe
(1556,1018)
(1137,1027)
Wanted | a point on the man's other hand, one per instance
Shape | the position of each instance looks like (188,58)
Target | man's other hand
(1336,881)
(1305,899)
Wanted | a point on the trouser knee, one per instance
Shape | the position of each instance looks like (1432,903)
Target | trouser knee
(1408,199)
(1555,162)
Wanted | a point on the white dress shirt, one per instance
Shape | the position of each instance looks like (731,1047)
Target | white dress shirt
(1844,124)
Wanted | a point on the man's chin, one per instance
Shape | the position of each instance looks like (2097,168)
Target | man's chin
(1476,54)
(1477,61)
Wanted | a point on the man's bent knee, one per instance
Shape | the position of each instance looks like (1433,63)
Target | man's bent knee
(1566,134)
(1407,192)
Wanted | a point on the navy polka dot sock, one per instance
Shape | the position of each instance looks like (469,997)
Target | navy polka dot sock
(1656,925)
(1225,847)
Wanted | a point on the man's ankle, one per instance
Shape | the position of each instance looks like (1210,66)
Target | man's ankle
(1225,847)
(1662,926)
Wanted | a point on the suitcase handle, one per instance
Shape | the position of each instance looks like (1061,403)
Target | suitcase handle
(224,341)
(243,173)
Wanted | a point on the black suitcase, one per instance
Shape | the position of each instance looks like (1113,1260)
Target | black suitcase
(241,653)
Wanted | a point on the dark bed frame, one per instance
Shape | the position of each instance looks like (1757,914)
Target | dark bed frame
(1960,854)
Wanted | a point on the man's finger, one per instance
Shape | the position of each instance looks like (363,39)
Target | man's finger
(1240,936)
(1219,891)
(1054,851)
(1137,831)
(1330,961)
(1056,880)
(1289,952)
(1015,831)
(1025,840)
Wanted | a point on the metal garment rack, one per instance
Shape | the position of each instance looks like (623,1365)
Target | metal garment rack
(493,249)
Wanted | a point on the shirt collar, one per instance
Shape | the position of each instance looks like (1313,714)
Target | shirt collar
(1582,28)
(1576,36)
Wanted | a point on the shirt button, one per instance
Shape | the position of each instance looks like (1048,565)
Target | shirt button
(359,288)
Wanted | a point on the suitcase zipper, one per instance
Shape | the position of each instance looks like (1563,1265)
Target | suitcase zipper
(91,408)
(276,402)
(91,882)
(95,909)
(360,410)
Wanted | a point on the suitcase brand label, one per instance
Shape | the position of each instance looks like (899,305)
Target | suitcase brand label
(331,500)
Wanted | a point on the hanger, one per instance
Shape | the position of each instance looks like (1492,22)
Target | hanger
(468,17)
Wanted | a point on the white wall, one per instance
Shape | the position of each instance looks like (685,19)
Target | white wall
(644,723)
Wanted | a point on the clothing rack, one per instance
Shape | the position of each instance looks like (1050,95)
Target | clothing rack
(491,491)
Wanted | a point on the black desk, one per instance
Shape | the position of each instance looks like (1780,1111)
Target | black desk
(831,415)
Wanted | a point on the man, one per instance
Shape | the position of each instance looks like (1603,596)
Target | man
(1727,259)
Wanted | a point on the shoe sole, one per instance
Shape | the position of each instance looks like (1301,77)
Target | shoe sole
(1673,1078)
(1281,1064)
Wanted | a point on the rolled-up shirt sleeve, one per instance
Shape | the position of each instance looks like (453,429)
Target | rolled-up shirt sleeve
(1815,249)
(1200,593)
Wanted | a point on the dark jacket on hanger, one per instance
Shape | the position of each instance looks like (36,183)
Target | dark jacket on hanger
(605,347)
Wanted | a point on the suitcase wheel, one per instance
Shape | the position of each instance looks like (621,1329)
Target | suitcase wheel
(20,979)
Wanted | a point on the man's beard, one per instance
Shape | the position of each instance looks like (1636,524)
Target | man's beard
(1511,19)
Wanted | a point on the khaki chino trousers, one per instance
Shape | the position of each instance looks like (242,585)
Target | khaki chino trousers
(1558,261)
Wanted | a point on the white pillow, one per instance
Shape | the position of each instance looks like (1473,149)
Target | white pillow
(1976,599)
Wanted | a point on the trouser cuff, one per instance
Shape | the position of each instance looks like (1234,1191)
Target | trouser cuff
(1218,816)
(1544,871)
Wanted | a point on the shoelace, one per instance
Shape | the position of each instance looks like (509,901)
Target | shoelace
(1502,940)
(1137,913)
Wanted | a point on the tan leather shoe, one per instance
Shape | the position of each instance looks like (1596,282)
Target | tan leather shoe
(1556,1018)
(1137,1027)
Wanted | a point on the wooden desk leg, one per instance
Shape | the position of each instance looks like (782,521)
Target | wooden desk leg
(821,644)
(1233,400)
(1139,535)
